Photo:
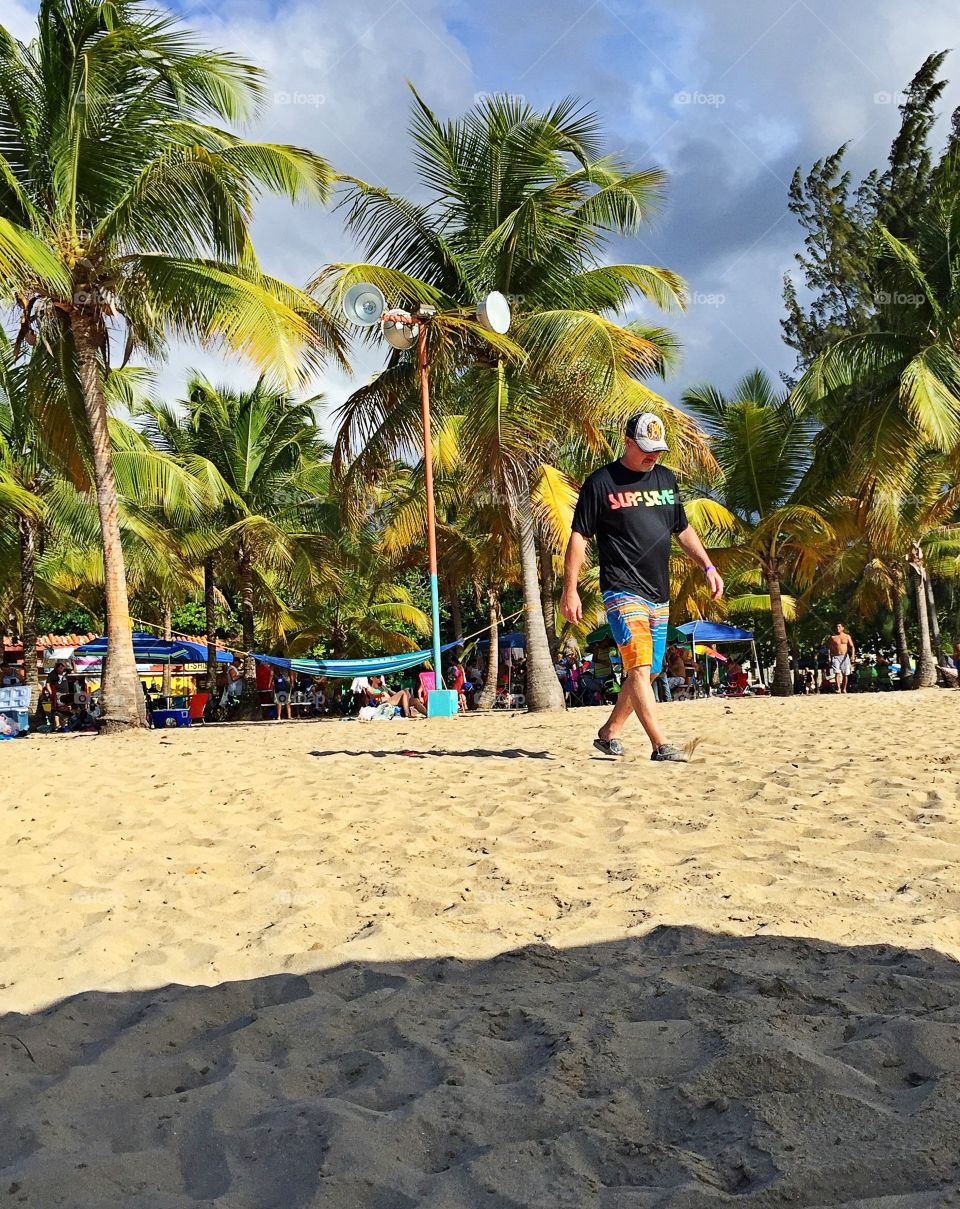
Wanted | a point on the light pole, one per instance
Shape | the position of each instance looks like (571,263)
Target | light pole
(365,305)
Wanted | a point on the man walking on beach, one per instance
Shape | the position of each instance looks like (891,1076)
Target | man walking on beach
(632,507)
(842,652)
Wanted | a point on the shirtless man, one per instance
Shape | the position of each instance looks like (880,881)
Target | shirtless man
(677,675)
(840,647)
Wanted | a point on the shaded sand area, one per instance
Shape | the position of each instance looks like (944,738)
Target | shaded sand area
(284,966)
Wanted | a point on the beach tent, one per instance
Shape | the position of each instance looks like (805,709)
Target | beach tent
(149,649)
(714,632)
(514,639)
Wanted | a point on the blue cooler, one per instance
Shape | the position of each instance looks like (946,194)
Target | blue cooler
(15,705)
(170,717)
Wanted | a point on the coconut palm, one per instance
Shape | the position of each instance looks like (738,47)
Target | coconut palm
(763,448)
(525,203)
(890,539)
(275,529)
(125,208)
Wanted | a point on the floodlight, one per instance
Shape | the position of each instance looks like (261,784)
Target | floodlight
(493,312)
(363,304)
(399,330)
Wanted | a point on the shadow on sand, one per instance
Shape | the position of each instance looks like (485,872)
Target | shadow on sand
(677,1069)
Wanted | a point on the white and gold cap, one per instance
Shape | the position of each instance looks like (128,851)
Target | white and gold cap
(647,431)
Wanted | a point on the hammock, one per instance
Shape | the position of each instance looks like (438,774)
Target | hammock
(347,669)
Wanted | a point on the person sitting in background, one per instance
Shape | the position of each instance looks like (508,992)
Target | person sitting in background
(9,677)
(677,677)
(737,679)
(380,694)
(950,669)
(866,676)
(883,681)
(361,690)
(592,688)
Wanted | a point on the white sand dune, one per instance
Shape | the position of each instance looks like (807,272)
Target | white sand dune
(472,963)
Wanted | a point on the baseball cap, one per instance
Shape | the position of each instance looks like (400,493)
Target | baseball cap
(647,430)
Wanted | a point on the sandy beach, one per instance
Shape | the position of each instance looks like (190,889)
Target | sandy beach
(471,962)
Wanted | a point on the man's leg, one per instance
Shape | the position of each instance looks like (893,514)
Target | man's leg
(636,697)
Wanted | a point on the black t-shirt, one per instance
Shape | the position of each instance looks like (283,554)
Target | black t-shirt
(632,514)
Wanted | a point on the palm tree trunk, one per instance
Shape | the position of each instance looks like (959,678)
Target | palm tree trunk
(488,694)
(167,637)
(782,679)
(544,691)
(210,623)
(935,639)
(250,698)
(900,635)
(926,673)
(547,602)
(28,604)
(121,697)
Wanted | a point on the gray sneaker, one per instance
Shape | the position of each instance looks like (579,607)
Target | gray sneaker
(609,747)
(666,751)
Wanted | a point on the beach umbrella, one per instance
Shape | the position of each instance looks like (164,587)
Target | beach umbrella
(147,648)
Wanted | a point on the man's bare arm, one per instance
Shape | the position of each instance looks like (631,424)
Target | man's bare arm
(573,561)
(691,543)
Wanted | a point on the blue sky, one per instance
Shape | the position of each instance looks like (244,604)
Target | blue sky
(729,98)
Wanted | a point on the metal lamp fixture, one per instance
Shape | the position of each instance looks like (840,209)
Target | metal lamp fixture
(365,305)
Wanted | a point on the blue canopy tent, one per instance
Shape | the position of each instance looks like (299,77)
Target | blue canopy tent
(513,638)
(713,632)
(347,669)
(149,649)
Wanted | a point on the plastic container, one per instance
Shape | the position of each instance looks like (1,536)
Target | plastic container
(442,703)
(162,718)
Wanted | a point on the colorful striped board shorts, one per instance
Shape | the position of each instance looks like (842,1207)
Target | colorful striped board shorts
(639,629)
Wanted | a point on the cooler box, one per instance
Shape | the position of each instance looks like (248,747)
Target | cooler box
(15,705)
(170,717)
(442,703)
(19,717)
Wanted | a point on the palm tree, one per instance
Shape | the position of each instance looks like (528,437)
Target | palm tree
(525,203)
(274,527)
(887,539)
(123,207)
(763,448)
(21,474)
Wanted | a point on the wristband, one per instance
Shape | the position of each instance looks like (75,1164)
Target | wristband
(710,568)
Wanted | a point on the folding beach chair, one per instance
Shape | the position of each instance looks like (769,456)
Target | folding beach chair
(198,704)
